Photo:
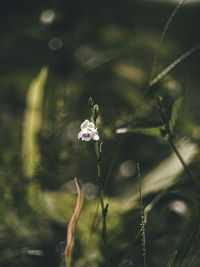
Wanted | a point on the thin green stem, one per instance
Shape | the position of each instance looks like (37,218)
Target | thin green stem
(104,208)
(169,138)
(171,260)
(172,15)
(173,64)
(143,234)
(171,142)
(130,250)
(194,258)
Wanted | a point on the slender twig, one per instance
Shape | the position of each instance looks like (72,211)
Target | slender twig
(71,229)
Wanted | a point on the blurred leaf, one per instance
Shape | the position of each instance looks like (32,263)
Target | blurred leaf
(174,115)
(172,259)
(188,237)
(32,123)
(146,123)
(155,131)
(142,126)
(166,174)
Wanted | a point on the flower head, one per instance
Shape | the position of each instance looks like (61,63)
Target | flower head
(88,131)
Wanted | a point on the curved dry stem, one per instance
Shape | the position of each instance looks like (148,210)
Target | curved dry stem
(71,229)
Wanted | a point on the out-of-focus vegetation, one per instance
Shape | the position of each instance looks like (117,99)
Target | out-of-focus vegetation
(54,55)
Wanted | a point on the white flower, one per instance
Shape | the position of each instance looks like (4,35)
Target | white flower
(88,131)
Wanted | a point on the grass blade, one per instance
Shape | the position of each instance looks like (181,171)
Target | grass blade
(174,115)
(172,15)
(173,64)
(172,259)
(188,237)
(194,258)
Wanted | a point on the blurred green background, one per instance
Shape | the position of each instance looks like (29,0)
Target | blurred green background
(54,55)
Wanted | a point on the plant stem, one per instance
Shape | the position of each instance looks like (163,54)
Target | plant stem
(171,142)
(143,220)
(172,15)
(104,209)
(169,138)
(194,258)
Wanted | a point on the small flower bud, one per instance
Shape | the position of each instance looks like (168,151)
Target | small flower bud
(101,147)
(95,112)
(90,102)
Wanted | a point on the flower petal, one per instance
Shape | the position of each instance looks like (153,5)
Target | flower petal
(84,125)
(86,138)
(93,130)
(95,136)
(80,134)
(91,125)
(88,131)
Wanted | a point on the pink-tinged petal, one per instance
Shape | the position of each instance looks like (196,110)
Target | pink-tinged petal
(95,136)
(91,125)
(80,134)
(84,125)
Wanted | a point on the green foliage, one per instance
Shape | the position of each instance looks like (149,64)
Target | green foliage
(147,131)
(32,123)
(103,50)
(174,114)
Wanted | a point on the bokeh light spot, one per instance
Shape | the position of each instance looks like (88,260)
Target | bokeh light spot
(179,206)
(89,190)
(47,16)
(55,43)
(128,168)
